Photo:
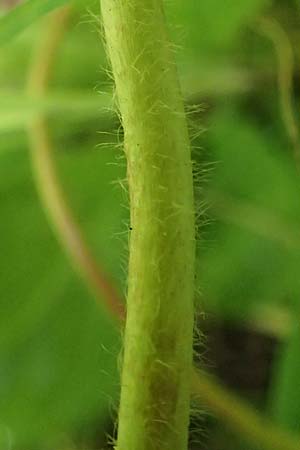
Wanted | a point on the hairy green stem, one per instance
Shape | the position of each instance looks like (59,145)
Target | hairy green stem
(157,365)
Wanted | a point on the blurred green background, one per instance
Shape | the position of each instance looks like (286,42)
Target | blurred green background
(240,72)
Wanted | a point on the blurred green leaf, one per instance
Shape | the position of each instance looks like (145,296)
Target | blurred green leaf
(52,331)
(285,389)
(17,110)
(24,15)
(203,25)
(254,194)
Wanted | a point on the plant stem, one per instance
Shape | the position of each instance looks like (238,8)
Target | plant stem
(157,365)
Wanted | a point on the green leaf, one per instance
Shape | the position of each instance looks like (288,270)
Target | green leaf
(58,348)
(215,32)
(17,110)
(255,190)
(24,15)
(285,388)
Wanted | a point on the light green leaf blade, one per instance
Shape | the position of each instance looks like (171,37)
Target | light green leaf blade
(285,390)
(52,332)
(24,15)
(253,196)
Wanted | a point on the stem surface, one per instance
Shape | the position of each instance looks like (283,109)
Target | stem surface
(157,364)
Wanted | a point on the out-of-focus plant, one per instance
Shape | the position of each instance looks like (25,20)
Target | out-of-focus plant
(257,220)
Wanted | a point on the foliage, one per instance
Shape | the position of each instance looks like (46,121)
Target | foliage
(58,349)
